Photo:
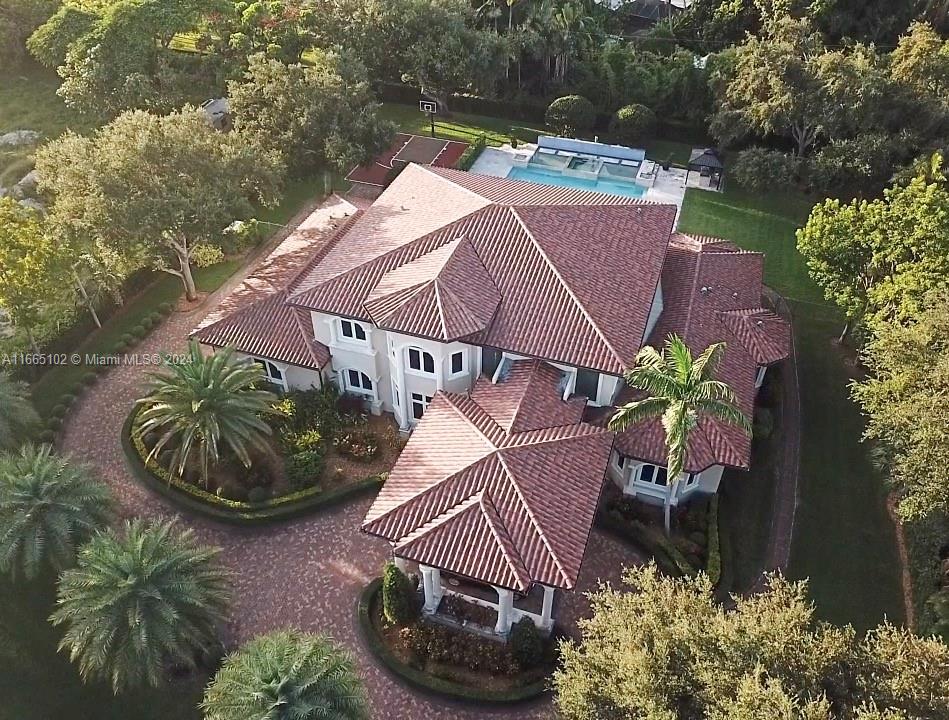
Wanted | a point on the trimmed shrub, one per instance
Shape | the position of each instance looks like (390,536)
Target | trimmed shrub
(304,469)
(633,124)
(166,308)
(89,377)
(54,423)
(258,494)
(68,399)
(128,338)
(156,318)
(120,347)
(472,152)
(361,445)
(139,331)
(760,169)
(47,436)
(763,426)
(58,411)
(527,645)
(713,563)
(302,441)
(399,603)
(571,115)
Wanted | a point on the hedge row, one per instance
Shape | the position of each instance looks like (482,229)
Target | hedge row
(57,414)
(713,564)
(194,499)
(471,153)
(668,557)
(428,683)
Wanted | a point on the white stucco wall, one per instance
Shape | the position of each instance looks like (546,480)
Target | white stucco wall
(707,482)
(655,311)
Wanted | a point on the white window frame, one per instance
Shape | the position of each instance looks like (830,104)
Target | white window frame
(423,400)
(620,461)
(651,483)
(269,365)
(464,364)
(421,359)
(358,390)
(341,322)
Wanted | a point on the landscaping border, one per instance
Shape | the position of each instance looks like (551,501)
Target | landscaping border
(428,683)
(233,511)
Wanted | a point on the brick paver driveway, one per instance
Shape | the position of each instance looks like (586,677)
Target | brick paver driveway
(306,573)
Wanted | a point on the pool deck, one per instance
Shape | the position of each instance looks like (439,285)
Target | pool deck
(668,186)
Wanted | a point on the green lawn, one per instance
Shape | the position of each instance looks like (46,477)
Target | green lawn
(672,150)
(460,126)
(843,539)
(39,683)
(48,389)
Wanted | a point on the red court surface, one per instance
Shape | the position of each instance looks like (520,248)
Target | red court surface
(406,149)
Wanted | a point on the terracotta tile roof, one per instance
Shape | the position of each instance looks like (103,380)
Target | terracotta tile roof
(255,317)
(712,293)
(553,301)
(496,505)
(269,328)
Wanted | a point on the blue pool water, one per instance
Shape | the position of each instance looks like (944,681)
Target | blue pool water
(554,177)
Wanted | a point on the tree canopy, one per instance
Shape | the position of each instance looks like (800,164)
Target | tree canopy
(156,187)
(664,649)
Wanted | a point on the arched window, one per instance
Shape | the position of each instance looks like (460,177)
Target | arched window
(357,382)
(352,331)
(421,361)
(272,373)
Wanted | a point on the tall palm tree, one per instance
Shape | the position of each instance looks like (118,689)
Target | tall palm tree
(18,419)
(140,601)
(285,675)
(205,405)
(679,389)
(48,507)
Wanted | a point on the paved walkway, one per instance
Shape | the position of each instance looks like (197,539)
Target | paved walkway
(306,573)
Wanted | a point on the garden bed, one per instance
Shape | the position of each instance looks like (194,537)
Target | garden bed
(284,507)
(393,647)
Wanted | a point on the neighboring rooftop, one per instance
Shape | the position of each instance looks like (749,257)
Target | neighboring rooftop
(511,470)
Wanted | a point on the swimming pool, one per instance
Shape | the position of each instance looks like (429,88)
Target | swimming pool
(543,176)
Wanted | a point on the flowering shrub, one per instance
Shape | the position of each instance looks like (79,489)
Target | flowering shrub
(361,445)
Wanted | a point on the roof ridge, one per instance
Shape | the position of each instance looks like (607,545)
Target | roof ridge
(567,288)
(518,566)
(464,416)
(429,169)
(443,517)
(321,252)
(438,304)
(530,513)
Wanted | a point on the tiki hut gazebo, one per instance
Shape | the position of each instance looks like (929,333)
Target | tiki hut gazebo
(710,167)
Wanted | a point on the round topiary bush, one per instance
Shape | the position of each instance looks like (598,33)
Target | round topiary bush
(155,317)
(527,645)
(166,308)
(139,331)
(120,347)
(128,338)
(58,411)
(399,603)
(47,436)
(570,115)
(68,399)
(54,423)
(89,377)
(633,124)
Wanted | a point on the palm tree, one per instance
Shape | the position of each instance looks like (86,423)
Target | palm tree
(204,405)
(679,389)
(48,507)
(285,675)
(139,602)
(18,419)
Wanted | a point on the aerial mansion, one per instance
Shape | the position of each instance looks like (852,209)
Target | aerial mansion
(494,319)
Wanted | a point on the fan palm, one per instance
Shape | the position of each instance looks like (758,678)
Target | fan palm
(286,675)
(18,419)
(679,389)
(204,405)
(138,602)
(48,507)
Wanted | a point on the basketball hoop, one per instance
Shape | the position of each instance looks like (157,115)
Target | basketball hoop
(431,108)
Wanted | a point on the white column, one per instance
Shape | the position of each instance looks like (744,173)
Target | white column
(505,610)
(428,585)
(398,372)
(400,563)
(437,588)
(546,613)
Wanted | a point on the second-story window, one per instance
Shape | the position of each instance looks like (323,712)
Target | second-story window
(457,363)
(351,330)
(421,361)
(358,382)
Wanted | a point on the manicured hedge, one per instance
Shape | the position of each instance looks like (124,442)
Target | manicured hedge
(428,683)
(713,565)
(471,153)
(196,500)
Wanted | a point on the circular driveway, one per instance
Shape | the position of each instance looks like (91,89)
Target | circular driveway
(305,573)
